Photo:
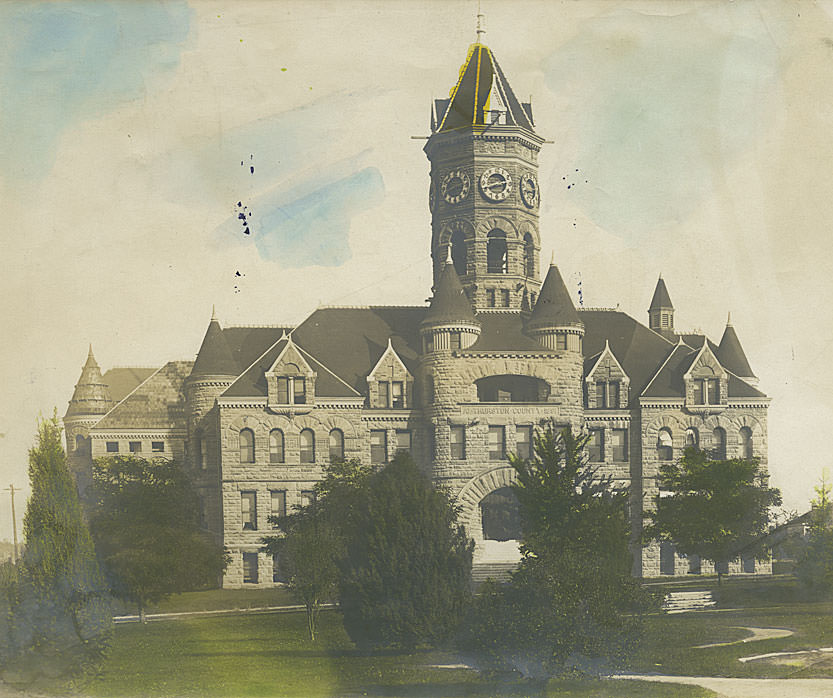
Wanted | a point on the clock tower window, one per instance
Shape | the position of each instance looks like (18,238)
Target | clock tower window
(529,255)
(496,252)
(458,252)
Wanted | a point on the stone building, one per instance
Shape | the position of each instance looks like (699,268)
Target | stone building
(500,351)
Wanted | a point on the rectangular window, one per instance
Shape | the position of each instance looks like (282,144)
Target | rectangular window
(397,395)
(384,394)
(504,297)
(595,447)
(714,391)
(277,574)
(458,442)
(699,392)
(283,391)
(749,565)
(523,441)
(157,446)
(601,394)
(455,341)
(403,440)
(503,395)
(249,568)
(429,343)
(299,391)
(112,447)
(135,446)
(248,510)
(307,497)
(619,445)
(490,297)
(278,503)
(613,394)
(497,443)
(378,445)
(561,341)
(694,565)
(429,390)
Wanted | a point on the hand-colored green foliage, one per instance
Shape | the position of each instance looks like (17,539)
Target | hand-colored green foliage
(572,604)
(58,611)
(405,576)
(712,508)
(145,523)
(814,566)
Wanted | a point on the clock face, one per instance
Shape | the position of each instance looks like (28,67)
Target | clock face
(495,183)
(529,190)
(455,186)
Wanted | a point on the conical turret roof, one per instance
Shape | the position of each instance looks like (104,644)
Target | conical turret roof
(731,355)
(554,308)
(91,395)
(661,298)
(214,357)
(450,302)
(481,93)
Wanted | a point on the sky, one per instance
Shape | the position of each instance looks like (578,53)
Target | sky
(161,158)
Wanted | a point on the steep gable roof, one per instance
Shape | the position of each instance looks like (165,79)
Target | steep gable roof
(123,380)
(158,403)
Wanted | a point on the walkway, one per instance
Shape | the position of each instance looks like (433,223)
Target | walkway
(757,634)
(749,688)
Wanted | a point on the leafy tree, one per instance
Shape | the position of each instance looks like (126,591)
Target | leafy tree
(713,508)
(814,567)
(58,612)
(312,537)
(572,603)
(145,523)
(405,577)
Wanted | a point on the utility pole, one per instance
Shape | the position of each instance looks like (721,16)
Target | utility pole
(11,490)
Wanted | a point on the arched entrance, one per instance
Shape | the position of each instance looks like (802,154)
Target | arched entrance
(489,511)
(500,516)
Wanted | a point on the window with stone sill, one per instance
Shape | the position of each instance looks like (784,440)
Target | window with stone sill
(112,446)
(595,446)
(307,497)
(307,446)
(249,568)
(497,442)
(403,440)
(135,446)
(159,447)
(378,446)
(276,446)
(619,445)
(607,394)
(391,394)
(665,446)
(523,441)
(692,438)
(248,510)
(278,501)
(746,448)
(336,445)
(706,391)
(458,442)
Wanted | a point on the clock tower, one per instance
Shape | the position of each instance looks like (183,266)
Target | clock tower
(484,194)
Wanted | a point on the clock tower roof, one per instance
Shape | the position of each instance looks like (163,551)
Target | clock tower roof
(482,96)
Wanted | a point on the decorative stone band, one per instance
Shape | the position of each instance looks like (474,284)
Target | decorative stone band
(548,336)
(138,434)
(440,335)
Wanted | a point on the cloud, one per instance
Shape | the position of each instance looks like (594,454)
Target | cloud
(668,103)
(66,61)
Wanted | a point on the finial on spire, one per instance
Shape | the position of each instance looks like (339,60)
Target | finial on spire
(213,312)
(481,23)
(729,319)
(90,352)
(552,257)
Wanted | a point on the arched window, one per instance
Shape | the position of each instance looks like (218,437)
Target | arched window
(247,446)
(746,450)
(692,438)
(336,445)
(719,444)
(81,445)
(458,252)
(276,452)
(512,388)
(496,254)
(529,255)
(307,446)
(665,448)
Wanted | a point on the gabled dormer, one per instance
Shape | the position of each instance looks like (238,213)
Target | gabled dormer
(390,385)
(607,385)
(706,382)
(290,380)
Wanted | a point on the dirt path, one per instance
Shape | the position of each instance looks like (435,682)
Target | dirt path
(757,634)
(750,688)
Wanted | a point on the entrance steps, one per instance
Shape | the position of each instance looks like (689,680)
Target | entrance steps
(498,571)
(682,601)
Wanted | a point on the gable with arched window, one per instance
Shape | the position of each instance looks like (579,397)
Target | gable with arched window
(247,446)
(706,381)
(290,381)
(607,384)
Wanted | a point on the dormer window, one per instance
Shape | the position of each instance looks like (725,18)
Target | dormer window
(706,391)
(292,389)
(607,394)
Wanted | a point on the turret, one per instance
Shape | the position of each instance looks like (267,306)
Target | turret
(554,321)
(731,355)
(450,323)
(90,401)
(661,312)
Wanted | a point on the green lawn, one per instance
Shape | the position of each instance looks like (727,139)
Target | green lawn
(217,599)
(268,655)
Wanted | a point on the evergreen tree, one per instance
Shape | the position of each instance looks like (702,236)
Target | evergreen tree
(572,603)
(406,573)
(60,608)
(712,508)
(814,567)
(145,522)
